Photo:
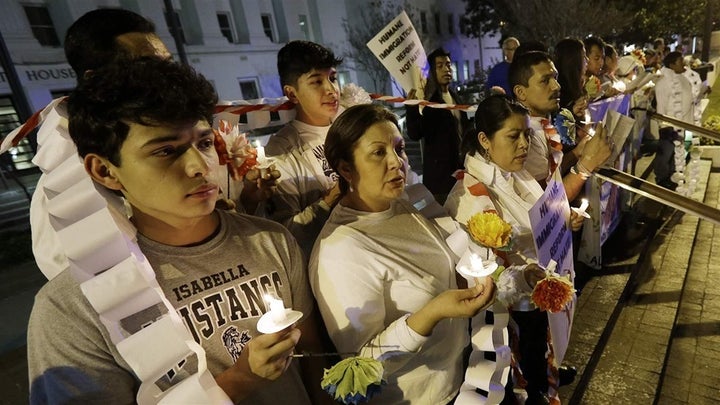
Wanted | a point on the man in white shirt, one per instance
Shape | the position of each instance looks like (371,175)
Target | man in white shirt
(674,98)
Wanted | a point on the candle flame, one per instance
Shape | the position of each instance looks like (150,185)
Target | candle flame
(584,204)
(476,262)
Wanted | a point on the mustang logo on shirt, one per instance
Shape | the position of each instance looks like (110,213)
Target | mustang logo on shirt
(319,153)
(235,341)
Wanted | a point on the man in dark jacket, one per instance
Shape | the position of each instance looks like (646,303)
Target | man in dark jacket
(441,129)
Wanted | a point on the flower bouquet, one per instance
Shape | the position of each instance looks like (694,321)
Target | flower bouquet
(713,123)
(554,291)
(639,56)
(593,87)
(352,94)
(234,150)
(565,122)
(353,380)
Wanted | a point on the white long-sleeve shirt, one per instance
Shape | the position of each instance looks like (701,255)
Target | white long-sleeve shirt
(674,96)
(368,272)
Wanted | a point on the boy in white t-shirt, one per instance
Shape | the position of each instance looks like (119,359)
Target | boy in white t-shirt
(308,189)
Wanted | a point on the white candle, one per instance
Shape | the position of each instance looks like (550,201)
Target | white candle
(277,308)
(260,152)
(584,205)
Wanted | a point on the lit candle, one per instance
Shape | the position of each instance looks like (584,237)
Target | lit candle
(260,153)
(584,204)
(277,308)
(583,207)
(477,264)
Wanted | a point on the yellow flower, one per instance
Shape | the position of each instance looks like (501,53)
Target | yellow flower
(488,229)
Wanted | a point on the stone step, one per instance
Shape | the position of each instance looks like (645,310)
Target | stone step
(628,357)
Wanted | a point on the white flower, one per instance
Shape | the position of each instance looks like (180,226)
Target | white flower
(352,94)
(508,290)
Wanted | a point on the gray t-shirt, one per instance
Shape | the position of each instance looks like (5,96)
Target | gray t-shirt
(217,288)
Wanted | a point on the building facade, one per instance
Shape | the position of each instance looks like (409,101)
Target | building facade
(234,43)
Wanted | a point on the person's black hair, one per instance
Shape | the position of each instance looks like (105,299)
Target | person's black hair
(299,57)
(346,131)
(432,81)
(530,46)
(569,61)
(610,51)
(147,91)
(521,68)
(490,117)
(90,42)
(594,41)
(671,58)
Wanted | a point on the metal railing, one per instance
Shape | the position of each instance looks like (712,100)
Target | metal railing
(707,133)
(659,194)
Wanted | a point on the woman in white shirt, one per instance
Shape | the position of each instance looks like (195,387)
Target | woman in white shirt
(494,179)
(383,275)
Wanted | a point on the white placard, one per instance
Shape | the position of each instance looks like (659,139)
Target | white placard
(399,49)
(550,218)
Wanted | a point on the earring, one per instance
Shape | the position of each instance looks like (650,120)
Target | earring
(352,190)
(486,155)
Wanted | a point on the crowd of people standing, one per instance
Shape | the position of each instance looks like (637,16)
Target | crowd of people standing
(334,231)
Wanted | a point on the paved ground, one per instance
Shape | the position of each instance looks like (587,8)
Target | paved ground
(647,329)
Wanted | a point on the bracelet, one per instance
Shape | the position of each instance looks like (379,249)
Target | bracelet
(581,171)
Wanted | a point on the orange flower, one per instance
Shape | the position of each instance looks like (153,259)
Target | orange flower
(234,150)
(488,229)
(552,293)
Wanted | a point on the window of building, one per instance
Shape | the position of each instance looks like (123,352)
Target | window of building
(42,25)
(19,157)
(249,88)
(176,16)
(438,29)
(304,27)
(451,23)
(454,71)
(423,22)
(466,70)
(477,67)
(267,23)
(226,26)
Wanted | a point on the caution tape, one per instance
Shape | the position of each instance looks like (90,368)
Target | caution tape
(242,107)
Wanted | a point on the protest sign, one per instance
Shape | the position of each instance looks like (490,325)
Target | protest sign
(399,49)
(604,195)
(553,240)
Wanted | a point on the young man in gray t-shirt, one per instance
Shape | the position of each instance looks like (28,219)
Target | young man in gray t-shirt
(142,130)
